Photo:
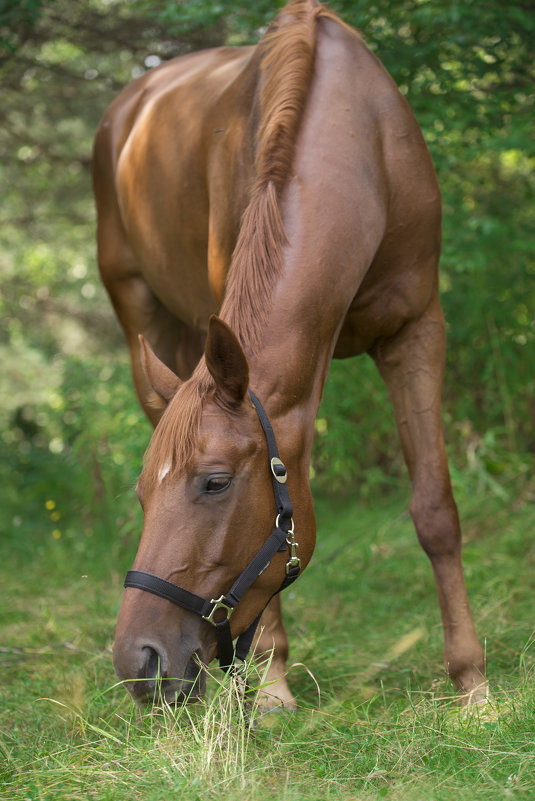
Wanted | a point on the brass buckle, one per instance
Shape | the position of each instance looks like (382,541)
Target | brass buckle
(282,475)
(219,603)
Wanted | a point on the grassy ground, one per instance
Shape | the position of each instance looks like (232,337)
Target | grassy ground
(377,717)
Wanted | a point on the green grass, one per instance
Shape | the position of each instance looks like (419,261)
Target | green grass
(377,717)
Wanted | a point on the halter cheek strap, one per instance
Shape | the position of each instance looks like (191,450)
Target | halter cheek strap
(281,538)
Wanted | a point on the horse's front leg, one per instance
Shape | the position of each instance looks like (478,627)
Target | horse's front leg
(271,650)
(412,366)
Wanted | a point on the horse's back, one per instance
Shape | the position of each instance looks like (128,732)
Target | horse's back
(165,146)
(175,165)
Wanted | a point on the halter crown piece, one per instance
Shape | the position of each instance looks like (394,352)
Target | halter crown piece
(281,538)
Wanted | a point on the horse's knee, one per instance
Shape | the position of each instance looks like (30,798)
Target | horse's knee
(436,521)
(272,636)
(271,653)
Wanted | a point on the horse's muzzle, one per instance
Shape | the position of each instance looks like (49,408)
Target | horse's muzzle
(149,677)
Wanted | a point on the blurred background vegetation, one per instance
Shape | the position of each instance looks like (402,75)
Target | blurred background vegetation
(71,433)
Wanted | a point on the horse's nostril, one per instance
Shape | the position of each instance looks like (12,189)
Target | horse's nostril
(153,664)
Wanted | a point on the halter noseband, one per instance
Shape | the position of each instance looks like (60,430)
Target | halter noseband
(281,538)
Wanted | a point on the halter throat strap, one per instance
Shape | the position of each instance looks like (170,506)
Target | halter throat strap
(280,539)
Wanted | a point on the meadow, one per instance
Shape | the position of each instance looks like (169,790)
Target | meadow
(377,717)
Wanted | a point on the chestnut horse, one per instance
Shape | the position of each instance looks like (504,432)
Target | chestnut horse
(286,188)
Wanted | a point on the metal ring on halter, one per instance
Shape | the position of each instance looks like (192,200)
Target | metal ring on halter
(239,670)
(291,529)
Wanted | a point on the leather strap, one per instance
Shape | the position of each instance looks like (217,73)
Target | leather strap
(280,490)
(166,589)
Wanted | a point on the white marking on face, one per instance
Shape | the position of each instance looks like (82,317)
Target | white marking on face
(163,472)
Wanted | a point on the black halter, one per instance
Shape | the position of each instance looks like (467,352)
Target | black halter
(281,538)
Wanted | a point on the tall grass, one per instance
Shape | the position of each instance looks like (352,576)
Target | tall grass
(409,748)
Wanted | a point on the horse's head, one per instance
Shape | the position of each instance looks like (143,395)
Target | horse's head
(209,507)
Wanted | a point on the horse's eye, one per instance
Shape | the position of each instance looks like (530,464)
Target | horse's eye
(218,483)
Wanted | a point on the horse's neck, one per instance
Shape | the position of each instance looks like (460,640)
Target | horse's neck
(334,212)
(321,266)
(333,209)
(307,308)
(290,368)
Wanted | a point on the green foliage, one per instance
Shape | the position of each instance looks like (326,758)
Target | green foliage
(17,20)
(70,460)
(356,442)
(236,22)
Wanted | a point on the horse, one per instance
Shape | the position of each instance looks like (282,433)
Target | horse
(262,210)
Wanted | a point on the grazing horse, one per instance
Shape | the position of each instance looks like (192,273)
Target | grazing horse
(262,210)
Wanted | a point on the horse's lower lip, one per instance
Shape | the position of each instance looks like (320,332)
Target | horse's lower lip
(172,692)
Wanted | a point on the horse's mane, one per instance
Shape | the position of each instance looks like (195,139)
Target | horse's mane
(286,58)
(286,54)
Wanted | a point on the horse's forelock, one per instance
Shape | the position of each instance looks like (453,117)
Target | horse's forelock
(174,440)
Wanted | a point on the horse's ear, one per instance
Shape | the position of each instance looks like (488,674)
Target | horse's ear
(226,362)
(162,380)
